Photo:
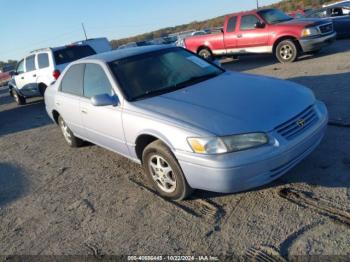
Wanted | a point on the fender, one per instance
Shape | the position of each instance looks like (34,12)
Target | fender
(275,37)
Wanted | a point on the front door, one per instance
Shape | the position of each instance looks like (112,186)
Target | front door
(103,125)
(251,39)
(19,77)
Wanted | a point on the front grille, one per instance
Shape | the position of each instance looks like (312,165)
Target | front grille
(325,29)
(298,124)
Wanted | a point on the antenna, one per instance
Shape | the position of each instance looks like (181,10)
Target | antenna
(257,4)
(82,24)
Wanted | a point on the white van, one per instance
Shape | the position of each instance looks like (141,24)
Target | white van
(42,67)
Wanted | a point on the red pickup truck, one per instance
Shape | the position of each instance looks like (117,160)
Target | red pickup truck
(5,75)
(264,31)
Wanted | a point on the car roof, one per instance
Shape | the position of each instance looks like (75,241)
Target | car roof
(125,53)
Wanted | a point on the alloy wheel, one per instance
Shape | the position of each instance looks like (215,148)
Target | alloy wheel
(162,174)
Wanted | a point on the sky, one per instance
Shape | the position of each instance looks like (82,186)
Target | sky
(33,24)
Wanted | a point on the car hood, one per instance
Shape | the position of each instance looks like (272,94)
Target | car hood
(306,22)
(232,103)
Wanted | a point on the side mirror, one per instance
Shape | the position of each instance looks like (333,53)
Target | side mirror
(13,73)
(104,100)
(217,62)
(260,25)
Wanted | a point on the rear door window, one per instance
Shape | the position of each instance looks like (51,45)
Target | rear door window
(72,82)
(72,53)
(30,63)
(96,81)
(43,60)
(231,25)
(248,22)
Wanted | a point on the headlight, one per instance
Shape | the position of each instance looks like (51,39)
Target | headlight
(227,144)
(311,31)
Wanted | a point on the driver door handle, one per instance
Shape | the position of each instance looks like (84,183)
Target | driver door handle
(239,36)
(22,77)
(84,111)
(34,75)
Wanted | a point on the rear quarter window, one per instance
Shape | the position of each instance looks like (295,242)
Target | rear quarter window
(72,82)
(43,60)
(72,53)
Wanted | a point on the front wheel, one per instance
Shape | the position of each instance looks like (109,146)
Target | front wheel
(20,100)
(286,51)
(164,172)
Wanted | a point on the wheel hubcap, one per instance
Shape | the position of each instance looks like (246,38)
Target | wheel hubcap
(65,131)
(162,174)
(205,54)
(286,52)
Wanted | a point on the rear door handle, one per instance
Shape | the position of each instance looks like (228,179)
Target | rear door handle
(239,36)
(34,75)
(22,77)
(84,111)
(58,103)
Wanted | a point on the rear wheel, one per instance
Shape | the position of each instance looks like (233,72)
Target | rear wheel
(164,172)
(20,100)
(286,51)
(206,54)
(68,135)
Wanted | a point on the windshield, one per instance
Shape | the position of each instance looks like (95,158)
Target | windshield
(72,53)
(161,72)
(273,16)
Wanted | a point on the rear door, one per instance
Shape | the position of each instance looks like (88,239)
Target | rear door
(230,36)
(67,100)
(103,124)
(251,39)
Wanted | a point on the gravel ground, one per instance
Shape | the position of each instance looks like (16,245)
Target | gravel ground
(60,201)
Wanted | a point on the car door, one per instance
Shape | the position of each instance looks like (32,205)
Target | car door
(19,74)
(249,38)
(230,36)
(341,20)
(67,99)
(30,85)
(103,124)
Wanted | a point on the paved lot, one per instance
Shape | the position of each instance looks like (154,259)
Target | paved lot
(57,200)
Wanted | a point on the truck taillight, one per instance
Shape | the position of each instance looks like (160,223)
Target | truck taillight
(56,74)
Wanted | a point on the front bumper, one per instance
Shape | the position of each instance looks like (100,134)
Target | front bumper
(245,170)
(316,43)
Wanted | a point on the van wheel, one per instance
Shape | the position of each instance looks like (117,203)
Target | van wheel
(206,54)
(286,51)
(68,135)
(164,172)
(20,100)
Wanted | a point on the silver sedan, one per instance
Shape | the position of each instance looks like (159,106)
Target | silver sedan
(191,124)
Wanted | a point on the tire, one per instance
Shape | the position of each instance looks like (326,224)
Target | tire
(20,100)
(206,54)
(42,89)
(68,135)
(164,172)
(286,52)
